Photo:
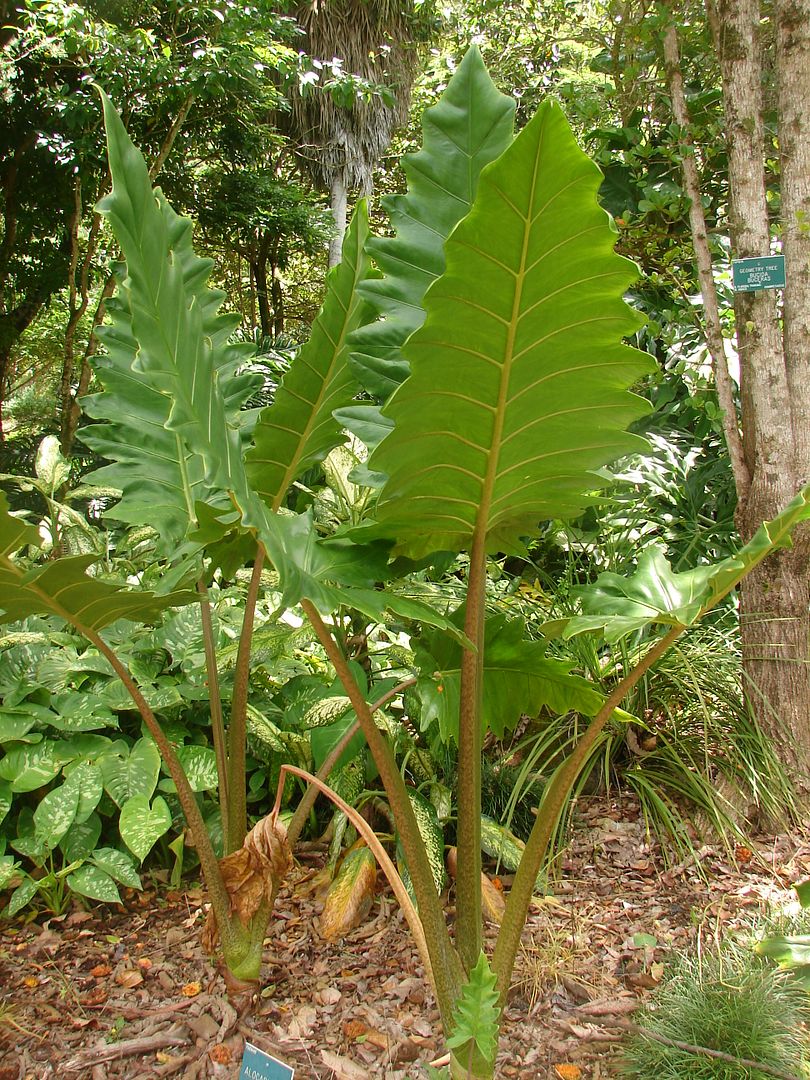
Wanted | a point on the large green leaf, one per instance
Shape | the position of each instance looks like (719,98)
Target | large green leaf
(470,126)
(298,429)
(174,316)
(518,386)
(160,478)
(167,296)
(62,587)
(655,594)
(518,679)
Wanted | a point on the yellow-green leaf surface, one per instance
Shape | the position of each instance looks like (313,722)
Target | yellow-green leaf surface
(350,895)
(519,379)
(470,126)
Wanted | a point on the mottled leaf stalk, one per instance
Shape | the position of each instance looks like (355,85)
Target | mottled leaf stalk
(447,967)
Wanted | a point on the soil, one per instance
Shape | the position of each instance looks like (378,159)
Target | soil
(128,992)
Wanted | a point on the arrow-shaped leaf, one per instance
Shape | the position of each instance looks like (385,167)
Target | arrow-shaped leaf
(518,386)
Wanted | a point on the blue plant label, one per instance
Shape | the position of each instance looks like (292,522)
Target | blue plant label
(256,1065)
(751,275)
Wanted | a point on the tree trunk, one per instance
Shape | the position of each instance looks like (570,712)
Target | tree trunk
(259,268)
(774,600)
(278,302)
(339,201)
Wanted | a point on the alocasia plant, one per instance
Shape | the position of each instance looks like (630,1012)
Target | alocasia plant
(497,329)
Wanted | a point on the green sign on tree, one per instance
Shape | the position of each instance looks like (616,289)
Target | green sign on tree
(751,275)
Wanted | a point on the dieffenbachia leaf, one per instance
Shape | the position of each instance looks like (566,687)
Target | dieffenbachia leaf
(62,587)
(518,387)
(657,595)
(518,679)
(298,429)
(470,126)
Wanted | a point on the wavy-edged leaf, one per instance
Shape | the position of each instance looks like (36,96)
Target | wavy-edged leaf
(469,126)
(518,679)
(61,586)
(174,316)
(657,595)
(298,429)
(475,1016)
(160,478)
(518,387)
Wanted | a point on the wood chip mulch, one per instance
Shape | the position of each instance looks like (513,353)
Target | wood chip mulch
(128,992)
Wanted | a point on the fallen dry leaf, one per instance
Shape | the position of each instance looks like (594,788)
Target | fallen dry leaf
(302,1023)
(566,1071)
(221,1054)
(129,978)
(31,981)
(100,970)
(344,1068)
(191,989)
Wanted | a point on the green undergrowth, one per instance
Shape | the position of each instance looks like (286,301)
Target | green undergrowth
(729,1001)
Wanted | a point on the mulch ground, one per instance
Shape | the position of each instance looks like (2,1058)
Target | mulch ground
(128,992)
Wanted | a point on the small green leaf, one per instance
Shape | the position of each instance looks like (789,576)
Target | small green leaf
(91,881)
(142,824)
(8,867)
(644,941)
(21,896)
(476,1013)
(802,889)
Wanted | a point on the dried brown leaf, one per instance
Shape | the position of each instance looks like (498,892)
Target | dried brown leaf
(253,874)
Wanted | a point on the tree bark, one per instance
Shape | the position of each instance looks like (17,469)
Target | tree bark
(259,268)
(775,627)
(700,242)
(339,197)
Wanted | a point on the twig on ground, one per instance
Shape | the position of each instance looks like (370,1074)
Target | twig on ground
(127,1048)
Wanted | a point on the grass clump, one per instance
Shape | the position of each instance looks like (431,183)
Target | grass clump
(727,1001)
